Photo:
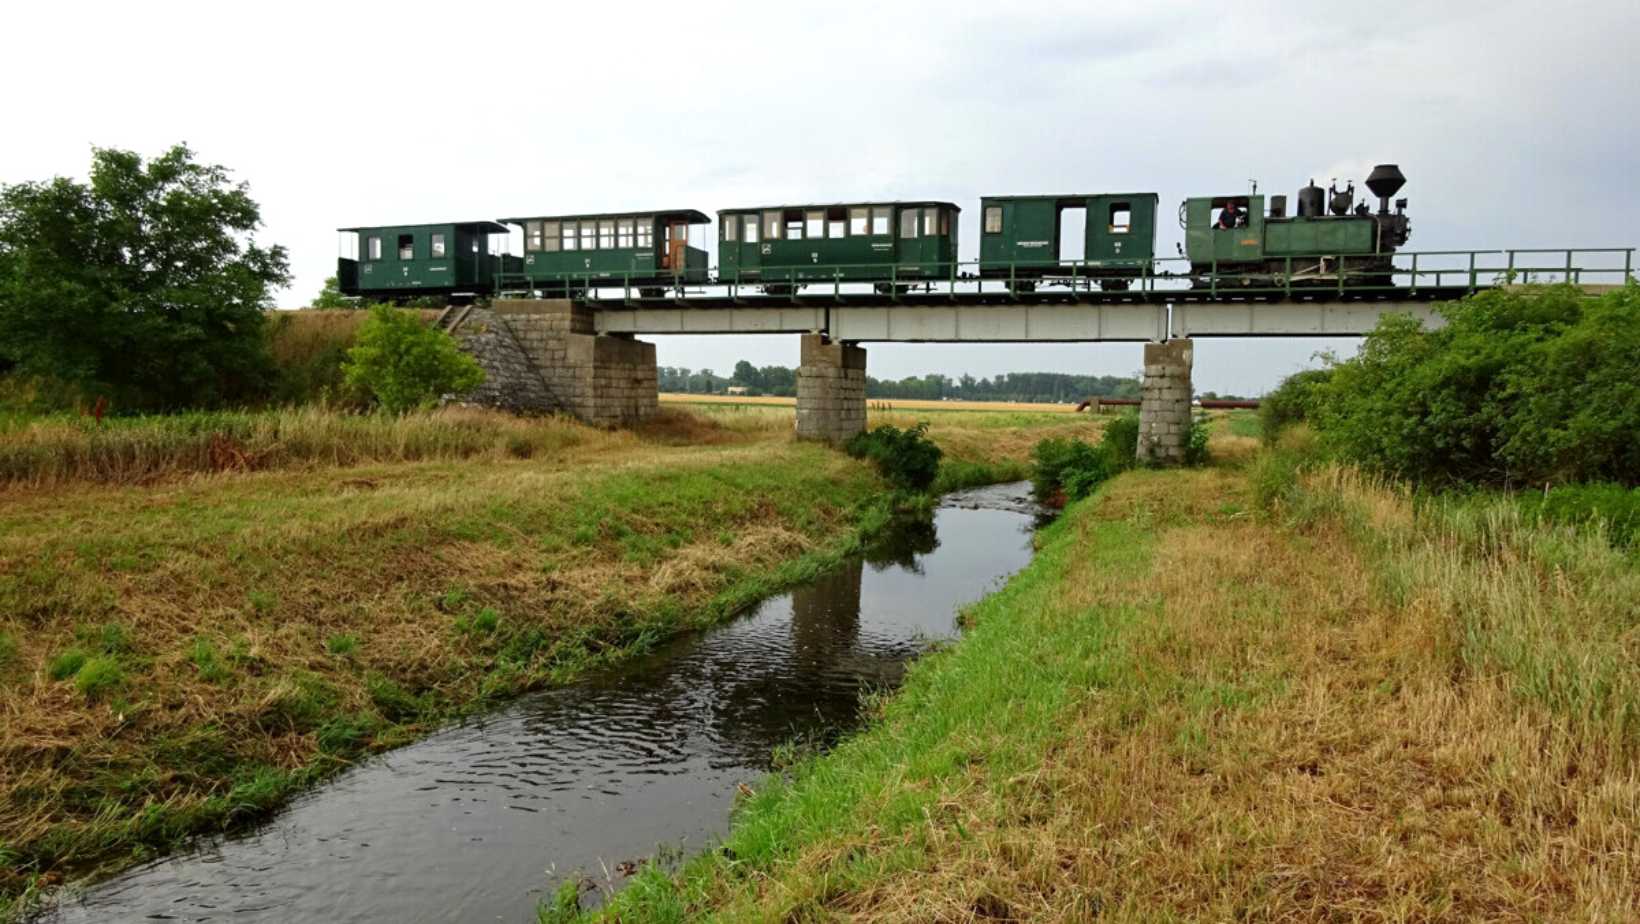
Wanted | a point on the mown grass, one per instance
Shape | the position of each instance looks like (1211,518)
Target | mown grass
(184,654)
(1266,692)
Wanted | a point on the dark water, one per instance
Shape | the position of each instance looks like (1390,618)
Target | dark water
(476,822)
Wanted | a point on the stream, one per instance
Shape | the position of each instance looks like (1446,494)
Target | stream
(480,820)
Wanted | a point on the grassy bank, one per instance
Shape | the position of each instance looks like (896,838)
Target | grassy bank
(1243,693)
(182,651)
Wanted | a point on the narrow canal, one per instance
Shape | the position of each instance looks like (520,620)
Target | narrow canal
(478,821)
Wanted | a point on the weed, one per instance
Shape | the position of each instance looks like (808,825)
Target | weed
(67,664)
(342,645)
(206,660)
(98,676)
(262,601)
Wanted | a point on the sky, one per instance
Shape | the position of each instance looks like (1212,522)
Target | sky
(1513,122)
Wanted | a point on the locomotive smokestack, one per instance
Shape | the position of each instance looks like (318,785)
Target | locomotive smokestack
(1385,180)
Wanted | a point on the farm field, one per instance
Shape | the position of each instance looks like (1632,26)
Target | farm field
(896,404)
(201,615)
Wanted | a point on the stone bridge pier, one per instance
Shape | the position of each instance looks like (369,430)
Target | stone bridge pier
(542,355)
(1164,402)
(831,390)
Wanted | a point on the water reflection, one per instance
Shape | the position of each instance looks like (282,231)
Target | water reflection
(476,821)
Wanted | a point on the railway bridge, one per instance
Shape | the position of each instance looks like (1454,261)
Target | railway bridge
(583,355)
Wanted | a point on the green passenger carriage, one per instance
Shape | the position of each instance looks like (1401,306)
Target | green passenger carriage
(648,251)
(1021,238)
(891,244)
(395,262)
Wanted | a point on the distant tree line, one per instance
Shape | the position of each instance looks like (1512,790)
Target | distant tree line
(1038,387)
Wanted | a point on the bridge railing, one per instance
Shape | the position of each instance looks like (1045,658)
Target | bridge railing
(1407,273)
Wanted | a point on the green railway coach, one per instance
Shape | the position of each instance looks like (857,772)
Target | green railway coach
(892,244)
(648,251)
(1021,237)
(392,262)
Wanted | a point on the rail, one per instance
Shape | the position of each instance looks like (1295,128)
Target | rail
(1413,274)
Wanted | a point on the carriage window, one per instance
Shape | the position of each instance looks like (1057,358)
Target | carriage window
(908,223)
(532,235)
(646,232)
(794,229)
(606,235)
(993,219)
(569,235)
(1121,217)
(931,222)
(880,222)
(859,221)
(945,221)
(731,228)
(816,225)
(771,226)
(589,235)
(549,236)
(407,247)
(375,248)
(749,225)
(680,231)
(623,233)
(438,246)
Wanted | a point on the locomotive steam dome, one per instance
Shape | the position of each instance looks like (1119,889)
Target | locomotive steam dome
(1312,201)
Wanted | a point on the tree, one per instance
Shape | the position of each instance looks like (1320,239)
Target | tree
(747,375)
(407,364)
(144,284)
(331,295)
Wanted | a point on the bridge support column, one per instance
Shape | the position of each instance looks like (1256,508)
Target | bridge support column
(549,351)
(831,390)
(1164,402)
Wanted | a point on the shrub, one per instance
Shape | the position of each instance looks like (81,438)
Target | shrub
(1121,439)
(1534,384)
(405,364)
(1195,448)
(907,458)
(1071,466)
(1293,401)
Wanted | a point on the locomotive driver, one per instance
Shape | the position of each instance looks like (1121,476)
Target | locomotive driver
(1231,217)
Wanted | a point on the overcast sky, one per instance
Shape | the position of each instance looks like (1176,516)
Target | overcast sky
(1514,122)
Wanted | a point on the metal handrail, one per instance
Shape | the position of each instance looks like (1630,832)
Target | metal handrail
(1150,277)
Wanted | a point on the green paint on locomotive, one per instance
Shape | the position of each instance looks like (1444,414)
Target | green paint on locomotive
(1265,238)
(1024,232)
(858,242)
(637,248)
(409,260)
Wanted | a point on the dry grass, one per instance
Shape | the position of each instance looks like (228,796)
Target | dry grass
(1352,715)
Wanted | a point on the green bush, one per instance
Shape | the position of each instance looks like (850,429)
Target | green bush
(1293,401)
(1533,385)
(1614,507)
(1121,439)
(1195,448)
(907,458)
(405,364)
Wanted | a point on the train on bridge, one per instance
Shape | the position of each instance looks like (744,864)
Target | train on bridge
(1095,246)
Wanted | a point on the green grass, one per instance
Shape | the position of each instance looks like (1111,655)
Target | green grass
(342,645)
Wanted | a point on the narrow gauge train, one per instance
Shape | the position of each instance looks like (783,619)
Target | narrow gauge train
(1229,241)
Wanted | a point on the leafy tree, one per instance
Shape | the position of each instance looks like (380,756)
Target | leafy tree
(331,295)
(746,374)
(407,364)
(144,283)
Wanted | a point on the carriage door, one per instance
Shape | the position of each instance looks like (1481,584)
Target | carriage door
(677,239)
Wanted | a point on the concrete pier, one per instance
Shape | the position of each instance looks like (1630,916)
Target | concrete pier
(545,355)
(831,390)
(1164,402)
